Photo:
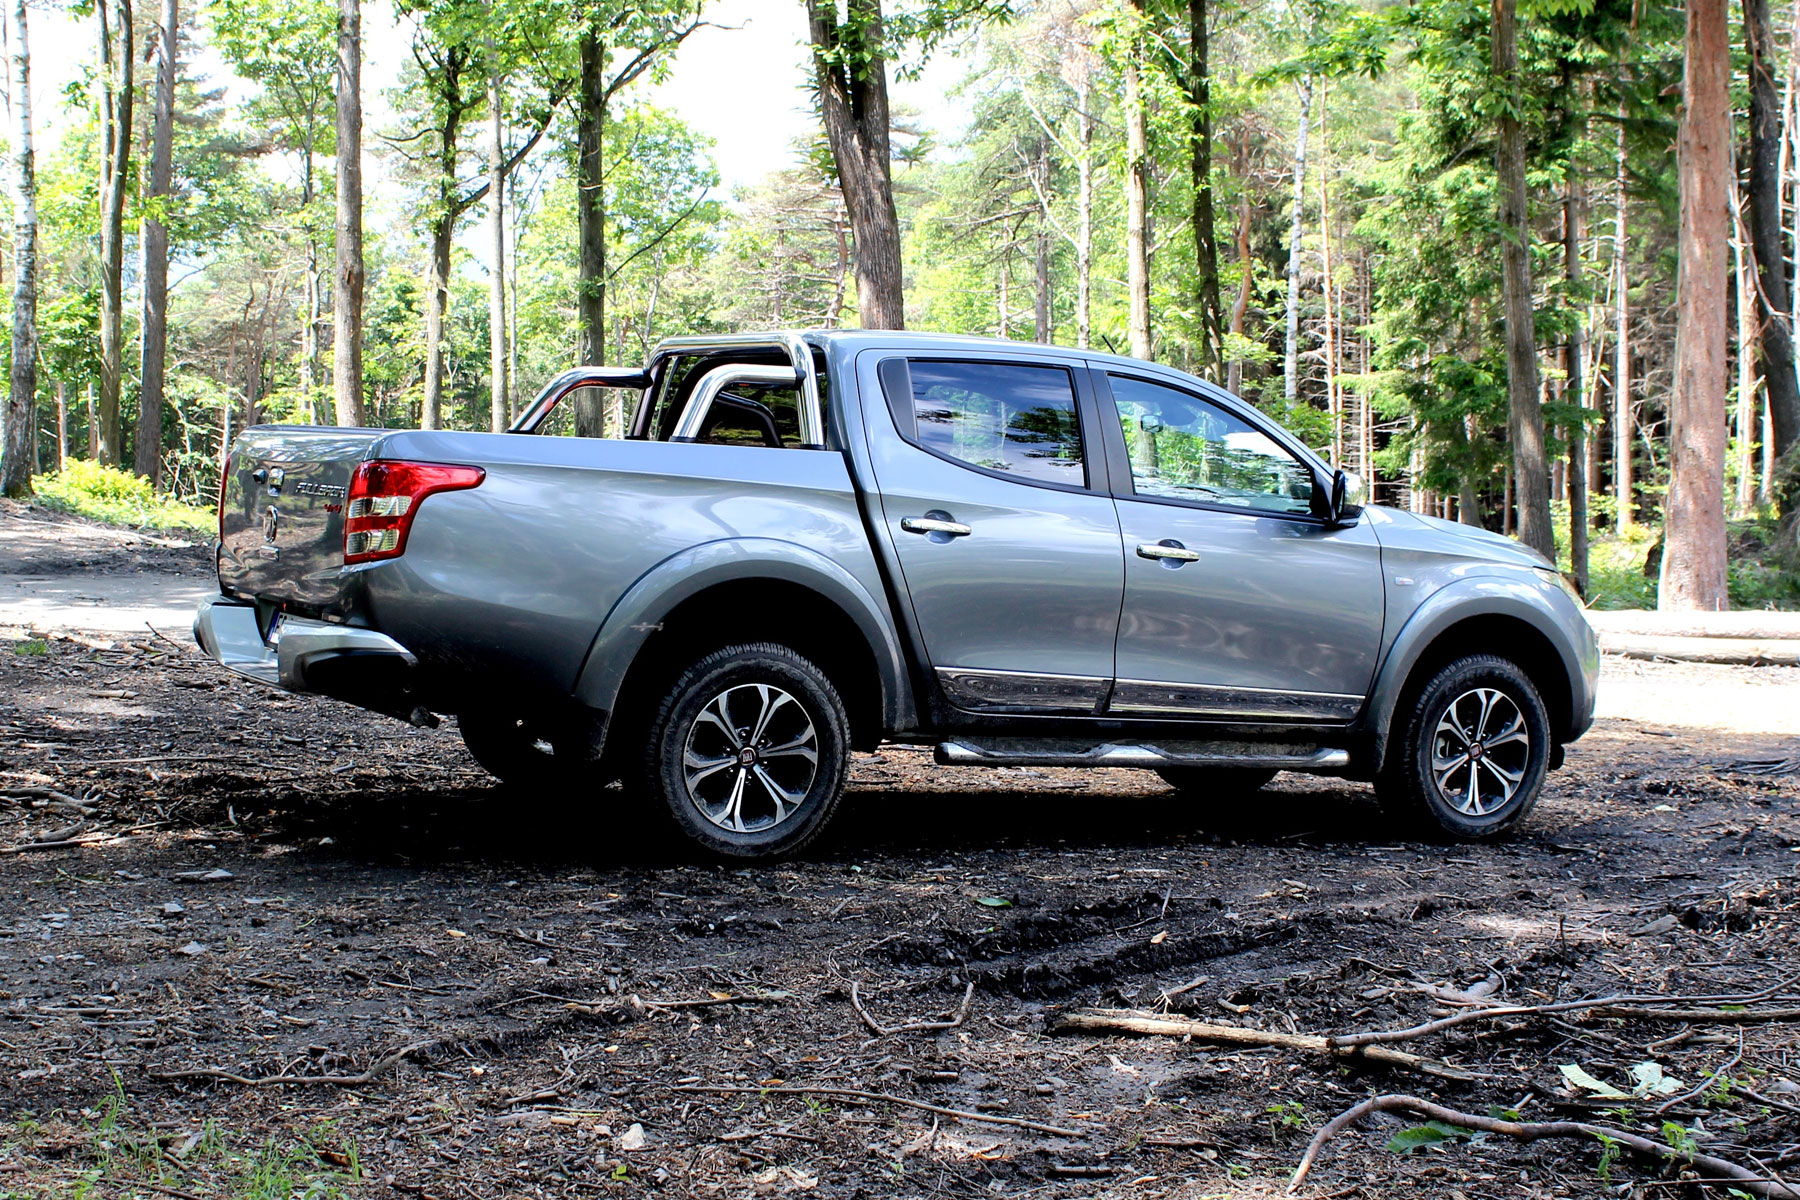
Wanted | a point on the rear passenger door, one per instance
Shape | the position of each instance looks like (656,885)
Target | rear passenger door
(993,491)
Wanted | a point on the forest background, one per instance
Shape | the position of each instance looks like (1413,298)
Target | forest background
(1525,264)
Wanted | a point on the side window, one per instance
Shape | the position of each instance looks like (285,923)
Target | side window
(1184,448)
(1014,420)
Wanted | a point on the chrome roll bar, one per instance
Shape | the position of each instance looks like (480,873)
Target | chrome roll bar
(693,417)
(558,389)
(812,416)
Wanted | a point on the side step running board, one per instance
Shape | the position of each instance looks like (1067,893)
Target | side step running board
(1045,752)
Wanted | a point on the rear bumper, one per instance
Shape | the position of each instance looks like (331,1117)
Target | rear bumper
(304,656)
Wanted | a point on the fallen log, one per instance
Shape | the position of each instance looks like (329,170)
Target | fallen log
(1116,1020)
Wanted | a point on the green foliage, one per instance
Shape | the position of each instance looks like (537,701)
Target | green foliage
(1426,1136)
(118,497)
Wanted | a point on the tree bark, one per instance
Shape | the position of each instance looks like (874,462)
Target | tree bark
(18,442)
(1290,384)
(499,390)
(1623,418)
(1765,196)
(154,247)
(1137,193)
(115,160)
(1526,414)
(1693,567)
(590,184)
(851,71)
(347,284)
(1200,145)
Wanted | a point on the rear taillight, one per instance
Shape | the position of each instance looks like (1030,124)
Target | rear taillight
(384,496)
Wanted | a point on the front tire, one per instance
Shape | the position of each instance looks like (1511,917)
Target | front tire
(1472,753)
(749,751)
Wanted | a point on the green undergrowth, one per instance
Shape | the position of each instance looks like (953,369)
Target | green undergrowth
(105,1151)
(1757,575)
(118,497)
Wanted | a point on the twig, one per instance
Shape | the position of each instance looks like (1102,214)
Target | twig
(1710,1079)
(1106,1020)
(1759,1098)
(883,1098)
(961,1014)
(381,1067)
(1531,1131)
(60,844)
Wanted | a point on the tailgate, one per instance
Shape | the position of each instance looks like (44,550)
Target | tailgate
(281,518)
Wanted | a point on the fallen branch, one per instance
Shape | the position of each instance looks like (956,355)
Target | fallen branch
(955,1020)
(58,844)
(1531,1131)
(1109,1020)
(1605,1006)
(381,1067)
(880,1098)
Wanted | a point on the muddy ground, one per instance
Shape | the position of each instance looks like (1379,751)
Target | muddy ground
(476,993)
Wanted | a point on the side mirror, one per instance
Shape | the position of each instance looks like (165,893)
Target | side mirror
(1348,495)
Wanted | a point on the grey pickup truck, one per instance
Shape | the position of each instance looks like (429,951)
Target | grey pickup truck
(812,543)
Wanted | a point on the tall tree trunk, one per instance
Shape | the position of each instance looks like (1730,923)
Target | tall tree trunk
(116,64)
(154,246)
(17,443)
(446,210)
(1200,148)
(1333,405)
(1748,407)
(347,278)
(1766,236)
(1575,356)
(590,186)
(62,424)
(850,69)
(437,310)
(309,336)
(1624,420)
(1290,384)
(1240,307)
(1041,249)
(1531,460)
(1084,215)
(1693,567)
(499,391)
(1137,192)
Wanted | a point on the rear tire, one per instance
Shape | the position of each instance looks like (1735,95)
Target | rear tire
(749,751)
(1215,783)
(511,749)
(1471,751)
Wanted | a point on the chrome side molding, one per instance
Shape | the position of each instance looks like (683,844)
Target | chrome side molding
(1049,752)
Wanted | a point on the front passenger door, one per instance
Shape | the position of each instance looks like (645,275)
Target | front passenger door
(1241,602)
(1009,557)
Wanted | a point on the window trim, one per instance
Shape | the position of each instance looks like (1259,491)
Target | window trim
(1119,455)
(1095,469)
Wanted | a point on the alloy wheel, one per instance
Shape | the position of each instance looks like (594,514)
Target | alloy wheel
(1480,751)
(750,758)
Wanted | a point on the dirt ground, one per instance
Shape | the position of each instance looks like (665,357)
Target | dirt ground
(295,949)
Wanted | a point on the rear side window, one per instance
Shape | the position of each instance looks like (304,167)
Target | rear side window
(1001,417)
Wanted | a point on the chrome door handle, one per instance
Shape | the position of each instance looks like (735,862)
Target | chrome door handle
(935,525)
(1168,549)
